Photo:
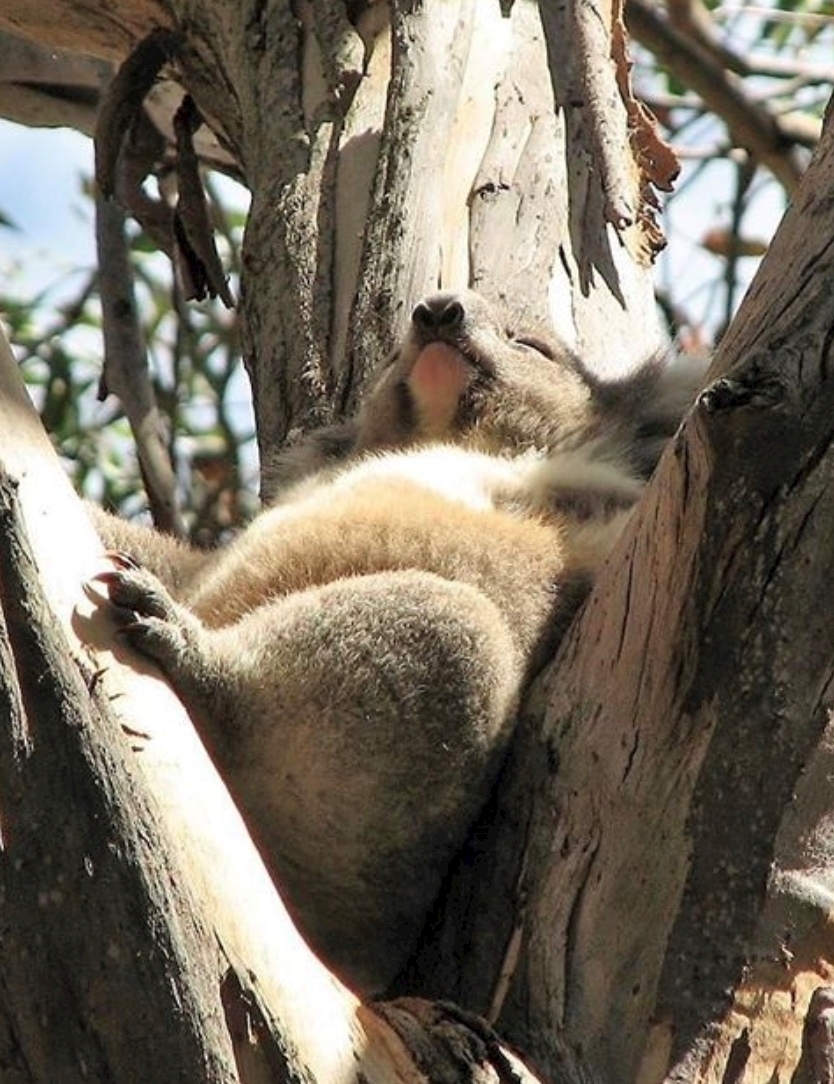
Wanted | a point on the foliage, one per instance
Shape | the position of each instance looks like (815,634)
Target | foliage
(766,69)
(193,354)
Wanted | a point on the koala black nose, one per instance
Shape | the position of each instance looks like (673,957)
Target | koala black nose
(440,312)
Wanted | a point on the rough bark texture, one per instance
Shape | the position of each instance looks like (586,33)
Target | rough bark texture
(675,869)
(87,889)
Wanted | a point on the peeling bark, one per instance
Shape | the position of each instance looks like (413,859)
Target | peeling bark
(817,1063)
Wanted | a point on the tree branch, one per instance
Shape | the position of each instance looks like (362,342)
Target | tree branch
(682,713)
(49,87)
(109,32)
(751,125)
(125,371)
(115,922)
(696,21)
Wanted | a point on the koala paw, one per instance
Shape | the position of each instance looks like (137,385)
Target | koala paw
(147,616)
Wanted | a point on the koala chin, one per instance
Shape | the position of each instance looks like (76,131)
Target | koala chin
(355,658)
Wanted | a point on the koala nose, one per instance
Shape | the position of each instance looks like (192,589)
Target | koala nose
(440,312)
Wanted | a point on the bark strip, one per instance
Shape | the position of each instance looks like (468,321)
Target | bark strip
(93,913)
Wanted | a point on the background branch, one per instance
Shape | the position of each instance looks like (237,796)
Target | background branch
(750,124)
(125,372)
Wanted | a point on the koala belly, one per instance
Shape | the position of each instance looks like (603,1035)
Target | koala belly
(354,663)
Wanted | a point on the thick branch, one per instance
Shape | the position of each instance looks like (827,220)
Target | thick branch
(48,87)
(112,919)
(695,684)
(107,30)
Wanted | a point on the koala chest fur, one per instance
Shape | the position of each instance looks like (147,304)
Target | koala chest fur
(431,509)
(354,660)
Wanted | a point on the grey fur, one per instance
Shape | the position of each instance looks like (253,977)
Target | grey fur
(354,660)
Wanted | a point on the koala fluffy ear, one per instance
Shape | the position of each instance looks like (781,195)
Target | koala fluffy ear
(647,406)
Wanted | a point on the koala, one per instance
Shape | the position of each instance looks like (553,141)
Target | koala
(354,659)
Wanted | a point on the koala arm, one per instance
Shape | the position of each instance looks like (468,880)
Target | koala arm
(174,562)
(359,725)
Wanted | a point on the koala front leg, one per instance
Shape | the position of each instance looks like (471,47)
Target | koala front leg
(359,726)
(163,630)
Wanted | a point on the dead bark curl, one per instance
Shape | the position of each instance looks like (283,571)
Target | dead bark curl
(125,98)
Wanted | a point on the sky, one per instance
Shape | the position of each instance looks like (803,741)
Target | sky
(51,245)
(41,175)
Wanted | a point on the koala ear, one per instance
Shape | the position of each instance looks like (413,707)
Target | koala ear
(647,406)
(679,379)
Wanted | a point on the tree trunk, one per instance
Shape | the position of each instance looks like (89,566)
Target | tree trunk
(660,854)
(651,882)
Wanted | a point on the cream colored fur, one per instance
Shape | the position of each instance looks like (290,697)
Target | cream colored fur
(354,660)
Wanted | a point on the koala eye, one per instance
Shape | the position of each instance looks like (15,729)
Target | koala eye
(532,342)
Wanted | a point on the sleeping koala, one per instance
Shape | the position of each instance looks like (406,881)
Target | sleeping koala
(355,658)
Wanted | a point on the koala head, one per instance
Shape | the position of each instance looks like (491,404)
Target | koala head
(462,374)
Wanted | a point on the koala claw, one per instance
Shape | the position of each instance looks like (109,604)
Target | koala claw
(135,589)
(146,615)
(121,559)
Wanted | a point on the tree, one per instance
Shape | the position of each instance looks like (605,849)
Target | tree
(649,887)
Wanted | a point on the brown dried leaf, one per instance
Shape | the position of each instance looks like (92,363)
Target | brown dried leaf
(656,161)
(723,242)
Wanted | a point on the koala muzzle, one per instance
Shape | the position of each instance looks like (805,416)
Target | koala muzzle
(439,314)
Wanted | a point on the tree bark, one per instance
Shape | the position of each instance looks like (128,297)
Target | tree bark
(346,232)
(85,876)
(670,898)
(652,881)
